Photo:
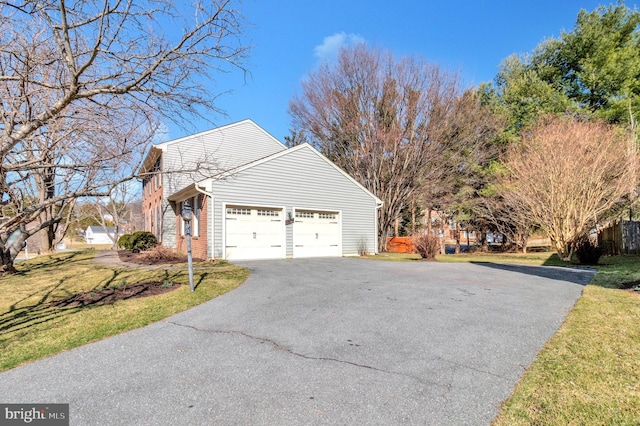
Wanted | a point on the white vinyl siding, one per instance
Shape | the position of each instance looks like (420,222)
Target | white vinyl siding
(300,180)
(206,154)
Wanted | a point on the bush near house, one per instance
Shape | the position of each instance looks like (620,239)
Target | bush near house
(427,246)
(125,241)
(143,240)
(140,241)
(587,252)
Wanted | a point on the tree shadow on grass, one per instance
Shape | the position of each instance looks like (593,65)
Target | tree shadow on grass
(574,275)
(50,261)
(21,317)
(44,309)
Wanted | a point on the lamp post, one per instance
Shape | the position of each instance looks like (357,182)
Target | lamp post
(187,216)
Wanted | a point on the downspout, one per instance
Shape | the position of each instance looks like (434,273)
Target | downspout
(378,207)
(211,212)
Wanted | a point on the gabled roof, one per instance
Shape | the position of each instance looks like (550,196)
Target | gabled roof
(156,150)
(304,146)
(100,229)
(163,145)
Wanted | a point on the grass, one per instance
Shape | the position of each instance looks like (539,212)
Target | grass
(544,258)
(31,329)
(589,371)
(81,245)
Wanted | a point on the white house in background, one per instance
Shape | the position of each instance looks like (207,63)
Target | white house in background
(98,235)
(261,200)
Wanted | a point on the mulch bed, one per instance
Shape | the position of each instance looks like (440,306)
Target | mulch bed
(153,257)
(111,295)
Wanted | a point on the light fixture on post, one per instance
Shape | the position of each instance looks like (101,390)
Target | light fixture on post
(187,216)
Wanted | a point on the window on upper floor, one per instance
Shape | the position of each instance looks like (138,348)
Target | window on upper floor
(156,174)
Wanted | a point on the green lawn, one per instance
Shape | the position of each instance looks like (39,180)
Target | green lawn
(31,329)
(589,372)
(549,259)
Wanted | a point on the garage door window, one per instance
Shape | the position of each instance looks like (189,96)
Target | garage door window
(268,212)
(326,216)
(238,211)
(304,215)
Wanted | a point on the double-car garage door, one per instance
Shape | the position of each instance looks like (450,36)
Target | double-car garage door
(261,233)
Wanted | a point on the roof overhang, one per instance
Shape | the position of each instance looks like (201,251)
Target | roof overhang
(187,192)
(152,156)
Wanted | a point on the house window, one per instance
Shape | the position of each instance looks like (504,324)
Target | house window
(158,222)
(156,174)
(195,222)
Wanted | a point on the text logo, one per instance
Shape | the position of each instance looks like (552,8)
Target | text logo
(34,414)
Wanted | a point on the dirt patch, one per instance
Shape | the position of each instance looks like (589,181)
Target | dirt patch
(111,295)
(156,256)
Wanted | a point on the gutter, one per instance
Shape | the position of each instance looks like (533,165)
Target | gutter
(379,205)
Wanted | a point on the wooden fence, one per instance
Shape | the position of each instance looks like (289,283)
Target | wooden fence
(621,237)
(400,245)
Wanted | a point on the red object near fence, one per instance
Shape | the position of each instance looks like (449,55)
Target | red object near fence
(400,245)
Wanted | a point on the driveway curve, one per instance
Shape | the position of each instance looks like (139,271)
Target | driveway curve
(320,341)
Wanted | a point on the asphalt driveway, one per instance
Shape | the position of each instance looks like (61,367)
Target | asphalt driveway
(320,341)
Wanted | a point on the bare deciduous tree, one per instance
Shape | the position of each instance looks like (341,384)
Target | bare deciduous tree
(566,175)
(84,85)
(115,210)
(388,123)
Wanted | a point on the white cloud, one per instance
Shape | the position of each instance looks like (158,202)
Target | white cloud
(332,44)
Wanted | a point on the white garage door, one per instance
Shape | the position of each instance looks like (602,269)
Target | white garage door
(254,233)
(316,233)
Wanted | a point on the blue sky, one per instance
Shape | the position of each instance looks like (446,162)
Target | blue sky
(290,37)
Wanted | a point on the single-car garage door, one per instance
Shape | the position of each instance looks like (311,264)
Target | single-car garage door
(316,233)
(254,233)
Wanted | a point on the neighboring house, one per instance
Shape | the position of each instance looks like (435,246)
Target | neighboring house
(255,199)
(98,235)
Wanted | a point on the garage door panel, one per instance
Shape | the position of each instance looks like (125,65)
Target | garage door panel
(316,233)
(254,233)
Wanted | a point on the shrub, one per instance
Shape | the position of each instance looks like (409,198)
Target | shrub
(362,246)
(162,254)
(143,240)
(125,241)
(588,252)
(427,245)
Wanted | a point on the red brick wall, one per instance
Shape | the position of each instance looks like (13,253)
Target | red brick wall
(151,204)
(199,243)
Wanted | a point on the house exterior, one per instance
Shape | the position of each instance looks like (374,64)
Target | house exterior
(254,198)
(98,235)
